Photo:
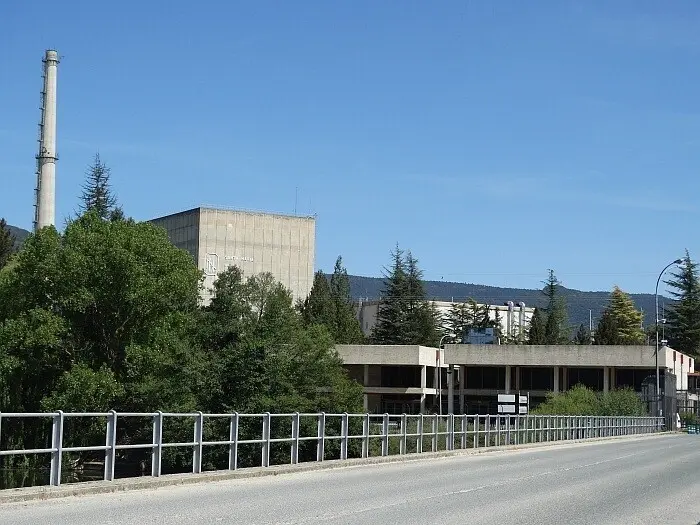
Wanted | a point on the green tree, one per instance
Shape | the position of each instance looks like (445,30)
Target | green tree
(556,327)
(583,335)
(7,243)
(391,313)
(318,307)
(97,194)
(405,316)
(346,328)
(621,322)
(535,332)
(684,315)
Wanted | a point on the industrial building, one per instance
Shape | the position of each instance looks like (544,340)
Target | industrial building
(514,318)
(283,245)
(398,379)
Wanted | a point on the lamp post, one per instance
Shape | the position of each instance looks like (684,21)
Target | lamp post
(659,409)
(438,363)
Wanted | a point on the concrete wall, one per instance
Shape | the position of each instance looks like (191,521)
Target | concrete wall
(282,245)
(389,355)
(545,355)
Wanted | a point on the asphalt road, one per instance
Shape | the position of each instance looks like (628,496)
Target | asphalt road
(645,481)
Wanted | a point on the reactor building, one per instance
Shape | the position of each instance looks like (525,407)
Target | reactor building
(256,242)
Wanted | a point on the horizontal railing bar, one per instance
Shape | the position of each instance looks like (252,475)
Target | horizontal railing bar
(86,414)
(27,414)
(135,446)
(28,451)
(183,444)
(85,449)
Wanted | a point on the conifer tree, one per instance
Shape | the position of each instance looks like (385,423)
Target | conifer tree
(347,329)
(684,315)
(535,333)
(97,194)
(621,322)
(391,313)
(7,243)
(318,307)
(583,335)
(556,329)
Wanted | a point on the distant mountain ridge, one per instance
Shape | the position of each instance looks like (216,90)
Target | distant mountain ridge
(579,303)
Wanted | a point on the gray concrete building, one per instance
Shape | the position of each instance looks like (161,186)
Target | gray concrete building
(398,379)
(256,242)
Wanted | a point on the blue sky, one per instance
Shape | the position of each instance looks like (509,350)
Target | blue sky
(493,139)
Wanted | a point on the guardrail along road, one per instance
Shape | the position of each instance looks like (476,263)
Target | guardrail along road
(625,481)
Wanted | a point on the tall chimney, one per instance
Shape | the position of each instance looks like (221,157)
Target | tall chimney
(45,212)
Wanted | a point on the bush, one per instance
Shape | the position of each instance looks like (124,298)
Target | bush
(581,401)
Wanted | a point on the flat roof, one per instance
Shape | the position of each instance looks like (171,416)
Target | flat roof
(392,355)
(235,210)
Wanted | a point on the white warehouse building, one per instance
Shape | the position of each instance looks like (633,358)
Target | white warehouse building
(515,318)
(256,242)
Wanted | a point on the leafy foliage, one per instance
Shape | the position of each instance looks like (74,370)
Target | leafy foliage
(7,243)
(583,335)
(581,401)
(536,330)
(556,330)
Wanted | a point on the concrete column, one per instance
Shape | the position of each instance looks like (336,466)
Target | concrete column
(462,387)
(517,378)
(450,390)
(612,378)
(507,390)
(565,379)
(556,379)
(423,385)
(365,383)
(606,379)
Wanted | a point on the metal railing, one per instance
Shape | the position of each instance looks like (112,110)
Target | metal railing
(380,434)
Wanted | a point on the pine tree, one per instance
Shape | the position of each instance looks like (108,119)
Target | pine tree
(404,315)
(535,333)
(391,312)
(556,329)
(318,307)
(7,243)
(97,195)
(684,314)
(621,322)
(606,332)
(583,335)
(459,319)
(347,329)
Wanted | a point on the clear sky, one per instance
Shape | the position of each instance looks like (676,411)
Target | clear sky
(493,139)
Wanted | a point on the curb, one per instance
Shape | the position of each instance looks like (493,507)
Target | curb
(47,492)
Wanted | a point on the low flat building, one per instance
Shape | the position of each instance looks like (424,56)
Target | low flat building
(398,379)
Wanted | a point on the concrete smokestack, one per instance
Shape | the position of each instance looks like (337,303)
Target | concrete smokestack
(45,213)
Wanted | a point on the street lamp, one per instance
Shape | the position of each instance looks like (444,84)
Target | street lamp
(659,409)
(438,362)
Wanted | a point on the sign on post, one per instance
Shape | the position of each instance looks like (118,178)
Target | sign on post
(513,404)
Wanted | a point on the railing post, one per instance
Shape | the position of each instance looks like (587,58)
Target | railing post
(464,428)
(57,446)
(197,449)
(321,437)
(365,436)
(266,439)
(295,439)
(157,450)
(487,428)
(451,433)
(111,442)
(233,446)
(419,444)
(404,431)
(344,425)
(385,435)
(436,429)
(475,436)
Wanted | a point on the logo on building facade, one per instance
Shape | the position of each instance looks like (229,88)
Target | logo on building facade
(211,264)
